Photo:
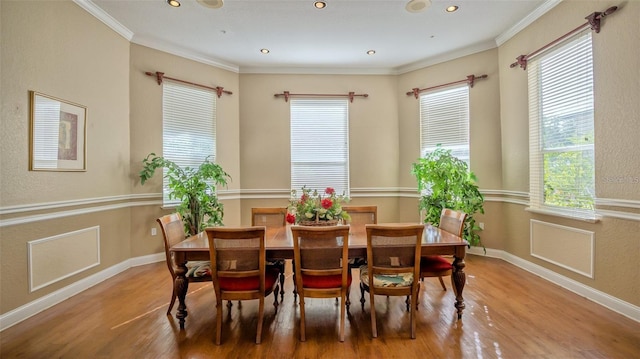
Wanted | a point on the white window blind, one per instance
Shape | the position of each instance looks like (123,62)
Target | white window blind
(189,127)
(444,120)
(561,127)
(319,144)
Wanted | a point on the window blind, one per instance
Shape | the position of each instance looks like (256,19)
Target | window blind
(319,144)
(561,126)
(444,120)
(188,127)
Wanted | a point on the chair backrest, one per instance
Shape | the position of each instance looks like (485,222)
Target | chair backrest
(321,250)
(394,249)
(173,233)
(268,216)
(237,252)
(452,221)
(362,214)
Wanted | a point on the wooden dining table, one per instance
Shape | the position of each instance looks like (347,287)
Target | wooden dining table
(279,245)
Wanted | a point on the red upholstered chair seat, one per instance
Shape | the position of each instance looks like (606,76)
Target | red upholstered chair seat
(324,281)
(249,283)
(434,264)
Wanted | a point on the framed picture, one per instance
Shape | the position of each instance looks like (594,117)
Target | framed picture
(58,134)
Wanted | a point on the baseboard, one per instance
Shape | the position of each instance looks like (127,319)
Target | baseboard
(32,308)
(608,301)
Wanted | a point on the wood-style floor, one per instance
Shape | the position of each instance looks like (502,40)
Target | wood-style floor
(509,313)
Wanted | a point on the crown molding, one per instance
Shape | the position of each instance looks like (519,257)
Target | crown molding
(107,19)
(528,20)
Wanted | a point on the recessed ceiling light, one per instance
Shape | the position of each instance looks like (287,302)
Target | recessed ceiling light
(452,8)
(371,52)
(319,4)
(174,3)
(214,4)
(417,5)
(264,51)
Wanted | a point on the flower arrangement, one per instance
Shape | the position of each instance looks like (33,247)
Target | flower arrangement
(311,206)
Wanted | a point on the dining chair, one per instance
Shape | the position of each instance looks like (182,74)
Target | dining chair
(320,255)
(239,271)
(438,266)
(360,215)
(271,217)
(173,232)
(393,256)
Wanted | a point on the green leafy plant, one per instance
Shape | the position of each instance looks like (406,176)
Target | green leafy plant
(444,181)
(194,187)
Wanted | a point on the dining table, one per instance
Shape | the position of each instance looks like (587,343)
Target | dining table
(279,245)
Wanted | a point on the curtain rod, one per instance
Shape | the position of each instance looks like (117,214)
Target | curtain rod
(350,95)
(593,21)
(160,76)
(470,80)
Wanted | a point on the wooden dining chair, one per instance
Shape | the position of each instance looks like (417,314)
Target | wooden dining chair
(320,255)
(271,217)
(173,232)
(438,266)
(362,214)
(393,256)
(239,272)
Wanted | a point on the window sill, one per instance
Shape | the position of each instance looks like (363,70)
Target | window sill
(585,216)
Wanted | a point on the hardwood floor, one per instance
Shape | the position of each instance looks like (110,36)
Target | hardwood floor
(509,313)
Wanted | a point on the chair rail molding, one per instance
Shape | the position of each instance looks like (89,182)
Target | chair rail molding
(616,208)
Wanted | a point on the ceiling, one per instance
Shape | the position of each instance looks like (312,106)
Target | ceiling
(304,39)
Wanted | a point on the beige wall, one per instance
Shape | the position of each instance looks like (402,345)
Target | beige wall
(83,62)
(617,85)
(373,134)
(264,119)
(146,134)
(86,62)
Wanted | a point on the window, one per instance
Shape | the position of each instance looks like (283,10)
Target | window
(444,120)
(188,127)
(561,127)
(319,144)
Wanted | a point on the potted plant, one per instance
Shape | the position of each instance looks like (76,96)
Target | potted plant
(194,187)
(445,181)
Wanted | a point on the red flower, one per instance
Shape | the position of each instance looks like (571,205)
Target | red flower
(329,190)
(326,203)
(291,218)
(304,198)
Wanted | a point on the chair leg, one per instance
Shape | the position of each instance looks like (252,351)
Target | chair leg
(261,318)
(219,322)
(413,314)
(282,284)
(374,328)
(302,327)
(281,268)
(342,315)
(442,283)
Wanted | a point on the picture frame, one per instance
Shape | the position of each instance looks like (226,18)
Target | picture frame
(58,134)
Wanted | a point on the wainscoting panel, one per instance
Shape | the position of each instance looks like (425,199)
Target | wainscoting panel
(567,247)
(55,258)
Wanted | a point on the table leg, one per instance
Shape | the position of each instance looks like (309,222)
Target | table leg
(181,285)
(458,280)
